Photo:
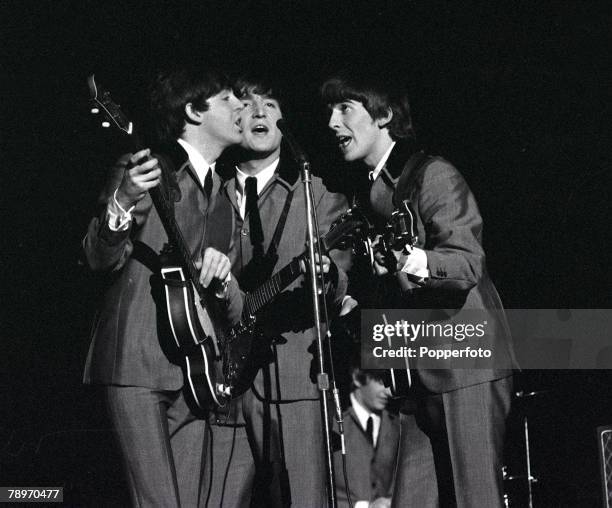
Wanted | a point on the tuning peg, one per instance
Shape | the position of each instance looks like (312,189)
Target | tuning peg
(106,125)
(94,111)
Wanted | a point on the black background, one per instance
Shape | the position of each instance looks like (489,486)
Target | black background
(515,93)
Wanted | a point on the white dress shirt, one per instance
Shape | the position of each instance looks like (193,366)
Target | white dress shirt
(363,414)
(263,177)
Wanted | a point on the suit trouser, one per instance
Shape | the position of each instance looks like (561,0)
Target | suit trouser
(162,444)
(285,443)
(466,430)
(230,467)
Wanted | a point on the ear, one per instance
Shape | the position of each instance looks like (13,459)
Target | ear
(383,121)
(193,115)
(356,382)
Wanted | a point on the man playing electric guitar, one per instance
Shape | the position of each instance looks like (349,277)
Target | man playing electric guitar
(196,116)
(460,412)
(281,410)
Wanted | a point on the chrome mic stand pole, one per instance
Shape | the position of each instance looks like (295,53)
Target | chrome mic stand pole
(316,290)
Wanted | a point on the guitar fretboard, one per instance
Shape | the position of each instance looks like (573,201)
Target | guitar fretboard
(264,294)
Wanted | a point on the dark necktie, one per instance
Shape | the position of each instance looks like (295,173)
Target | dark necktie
(252,211)
(370,430)
(208,183)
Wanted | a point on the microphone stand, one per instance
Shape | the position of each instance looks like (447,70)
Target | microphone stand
(323,384)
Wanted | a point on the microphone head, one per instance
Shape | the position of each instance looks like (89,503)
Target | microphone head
(281,124)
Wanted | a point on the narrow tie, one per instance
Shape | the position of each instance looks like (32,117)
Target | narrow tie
(370,430)
(252,210)
(208,183)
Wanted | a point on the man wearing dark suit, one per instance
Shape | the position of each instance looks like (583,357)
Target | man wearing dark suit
(196,116)
(372,440)
(281,410)
(462,412)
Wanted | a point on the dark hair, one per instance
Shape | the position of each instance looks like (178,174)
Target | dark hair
(260,85)
(173,89)
(363,375)
(377,94)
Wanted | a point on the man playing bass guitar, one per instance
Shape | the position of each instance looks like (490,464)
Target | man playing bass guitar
(195,117)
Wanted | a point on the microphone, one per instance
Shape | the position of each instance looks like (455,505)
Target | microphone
(298,153)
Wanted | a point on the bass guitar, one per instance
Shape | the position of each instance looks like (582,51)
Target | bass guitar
(239,364)
(191,327)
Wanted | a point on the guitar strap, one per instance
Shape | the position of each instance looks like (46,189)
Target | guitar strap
(261,268)
(280,226)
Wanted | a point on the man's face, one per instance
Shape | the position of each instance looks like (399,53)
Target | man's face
(357,133)
(259,131)
(373,395)
(222,119)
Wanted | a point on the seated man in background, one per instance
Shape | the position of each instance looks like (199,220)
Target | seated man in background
(372,441)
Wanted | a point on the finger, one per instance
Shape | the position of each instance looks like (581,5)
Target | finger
(144,168)
(205,274)
(326,264)
(223,268)
(147,177)
(209,265)
(135,157)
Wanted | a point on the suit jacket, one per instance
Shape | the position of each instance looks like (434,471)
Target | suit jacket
(370,470)
(288,320)
(450,232)
(128,340)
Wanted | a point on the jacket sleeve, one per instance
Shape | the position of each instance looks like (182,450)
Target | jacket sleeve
(104,248)
(453,229)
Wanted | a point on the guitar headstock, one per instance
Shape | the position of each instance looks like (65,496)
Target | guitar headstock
(349,230)
(101,102)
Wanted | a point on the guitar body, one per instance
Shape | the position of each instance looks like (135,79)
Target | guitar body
(240,357)
(195,340)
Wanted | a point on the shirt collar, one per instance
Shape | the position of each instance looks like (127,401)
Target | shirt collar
(199,164)
(263,177)
(362,413)
(381,163)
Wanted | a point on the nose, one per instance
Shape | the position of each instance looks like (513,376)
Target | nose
(334,121)
(258,110)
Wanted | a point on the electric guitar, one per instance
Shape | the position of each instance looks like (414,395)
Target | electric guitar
(400,233)
(191,327)
(239,363)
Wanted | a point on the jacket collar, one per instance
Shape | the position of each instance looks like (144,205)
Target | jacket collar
(401,153)
(287,174)
(287,171)
(173,153)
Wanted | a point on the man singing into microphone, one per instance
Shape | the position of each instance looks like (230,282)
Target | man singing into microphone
(281,410)
(461,411)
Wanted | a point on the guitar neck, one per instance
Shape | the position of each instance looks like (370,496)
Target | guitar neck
(165,210)
(264,294)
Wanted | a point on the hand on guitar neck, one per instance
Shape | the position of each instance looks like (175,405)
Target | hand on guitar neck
(141,174)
